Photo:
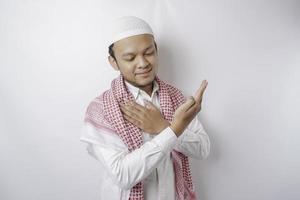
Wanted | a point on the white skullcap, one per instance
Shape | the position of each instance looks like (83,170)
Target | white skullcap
(127,26)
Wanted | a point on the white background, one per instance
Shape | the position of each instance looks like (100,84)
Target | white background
(53,62)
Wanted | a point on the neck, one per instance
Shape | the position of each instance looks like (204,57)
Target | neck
(148,88)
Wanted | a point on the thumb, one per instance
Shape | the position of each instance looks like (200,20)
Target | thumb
(189,103)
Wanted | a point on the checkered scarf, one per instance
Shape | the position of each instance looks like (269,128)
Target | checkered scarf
(104,113)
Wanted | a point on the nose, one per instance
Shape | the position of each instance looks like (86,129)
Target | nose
(142,62)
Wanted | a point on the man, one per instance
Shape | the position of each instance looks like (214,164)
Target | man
(142,130)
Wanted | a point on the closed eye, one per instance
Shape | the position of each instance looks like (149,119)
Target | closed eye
(129,58)
(150,53)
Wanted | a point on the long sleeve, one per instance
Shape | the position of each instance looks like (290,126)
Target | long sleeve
(194,141)
(127,168)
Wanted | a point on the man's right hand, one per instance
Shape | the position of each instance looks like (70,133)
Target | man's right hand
(188,110)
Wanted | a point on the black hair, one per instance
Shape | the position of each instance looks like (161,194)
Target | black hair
(112,53)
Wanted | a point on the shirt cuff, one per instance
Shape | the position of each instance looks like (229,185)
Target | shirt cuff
(166,139)
(187,135)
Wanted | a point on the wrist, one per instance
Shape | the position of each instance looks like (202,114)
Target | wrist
(163,126)
(176,129)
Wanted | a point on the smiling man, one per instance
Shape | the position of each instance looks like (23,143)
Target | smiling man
(136,58)
(143,130)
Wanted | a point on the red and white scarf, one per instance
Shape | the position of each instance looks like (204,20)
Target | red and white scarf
(104,113)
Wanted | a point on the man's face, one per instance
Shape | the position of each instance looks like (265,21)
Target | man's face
(136,58)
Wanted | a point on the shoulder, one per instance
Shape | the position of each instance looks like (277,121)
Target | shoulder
(96,104)
(95,113)
(101,136)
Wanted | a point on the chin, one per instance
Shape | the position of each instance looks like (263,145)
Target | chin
(147,80)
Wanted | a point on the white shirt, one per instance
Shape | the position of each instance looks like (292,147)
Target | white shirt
(151,163)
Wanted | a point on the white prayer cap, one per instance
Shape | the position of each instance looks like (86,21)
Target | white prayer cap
(127,26)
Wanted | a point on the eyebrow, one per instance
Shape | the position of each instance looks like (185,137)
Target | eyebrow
(130,53)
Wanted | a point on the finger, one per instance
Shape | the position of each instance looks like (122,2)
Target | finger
(137,106)
(125,110)
(132,111)
(191,113)
(199,93)
(193,109)
(193,100)
(188,104)
(132,120)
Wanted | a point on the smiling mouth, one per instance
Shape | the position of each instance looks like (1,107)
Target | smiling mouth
(144,73)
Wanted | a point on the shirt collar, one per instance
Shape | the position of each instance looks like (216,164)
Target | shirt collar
(136,91)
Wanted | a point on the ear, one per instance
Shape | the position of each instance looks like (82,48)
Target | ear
(113,63)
